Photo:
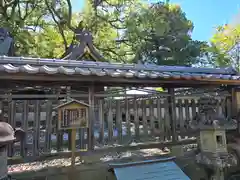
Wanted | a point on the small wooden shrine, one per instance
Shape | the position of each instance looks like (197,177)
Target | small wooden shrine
(73,114)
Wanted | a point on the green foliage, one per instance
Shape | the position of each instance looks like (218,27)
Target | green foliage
(123,30)
(225,49)
(161,34)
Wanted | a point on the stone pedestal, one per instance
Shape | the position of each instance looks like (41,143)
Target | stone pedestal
(177,151)
(219,175)
(3,163)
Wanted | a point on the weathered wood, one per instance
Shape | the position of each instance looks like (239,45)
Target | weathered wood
(130,102)
(180,114)
(59,132)
(159,116)
(166,120)
(2,110)
(69,131)
(91,118)
(110,121)
(48,133)
(100,95)
(101,122)
(193,108)
(25,127)
(172,113)
(136,118)
(73,148)
(129,106)
(187,113)
(144,118)
(152,118)
(11,119)
(36,132)
(127,118)
(119,121)
(82,142)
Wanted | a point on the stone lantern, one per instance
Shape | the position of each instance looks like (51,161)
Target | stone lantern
(213,153)
(7,136)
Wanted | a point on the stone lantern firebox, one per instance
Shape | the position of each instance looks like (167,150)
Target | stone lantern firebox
(7,136)
(213,140)
(212,143)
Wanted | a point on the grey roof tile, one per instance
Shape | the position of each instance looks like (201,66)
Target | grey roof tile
(86,68)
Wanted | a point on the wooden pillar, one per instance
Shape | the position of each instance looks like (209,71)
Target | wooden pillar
(91,118)
(1,110)
(69,131)
(172,113)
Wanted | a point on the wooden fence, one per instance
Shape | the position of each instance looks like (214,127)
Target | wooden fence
(117,121)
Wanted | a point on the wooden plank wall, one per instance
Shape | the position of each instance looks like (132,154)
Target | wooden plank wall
(116,121)
(138,120)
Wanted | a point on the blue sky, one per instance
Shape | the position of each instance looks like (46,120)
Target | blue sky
(205,14)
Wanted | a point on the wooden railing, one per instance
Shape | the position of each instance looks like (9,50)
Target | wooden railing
(117,121)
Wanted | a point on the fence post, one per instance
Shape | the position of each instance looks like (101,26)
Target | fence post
(172,113)
(91,118)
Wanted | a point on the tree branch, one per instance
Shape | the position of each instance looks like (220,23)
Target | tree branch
(111,22)
(52,12)
(69,24)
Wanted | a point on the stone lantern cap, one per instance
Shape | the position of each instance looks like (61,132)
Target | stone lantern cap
(8,134)
(208,118)
(217,124)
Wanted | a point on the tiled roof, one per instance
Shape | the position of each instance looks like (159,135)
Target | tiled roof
(161,169)
(115,70)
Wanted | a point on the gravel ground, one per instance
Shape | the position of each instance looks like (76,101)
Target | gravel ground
(35,166)
(65,162)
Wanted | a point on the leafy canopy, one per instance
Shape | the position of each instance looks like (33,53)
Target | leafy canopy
(123,30)
(225,47)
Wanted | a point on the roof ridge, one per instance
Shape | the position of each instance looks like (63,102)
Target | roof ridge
(20,61)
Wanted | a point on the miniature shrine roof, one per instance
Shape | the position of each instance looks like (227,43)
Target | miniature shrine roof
(100,70)
(70,102)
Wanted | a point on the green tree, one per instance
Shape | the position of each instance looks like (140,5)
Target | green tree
(28,21)
(161,34)
(225,47)
(123,30)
